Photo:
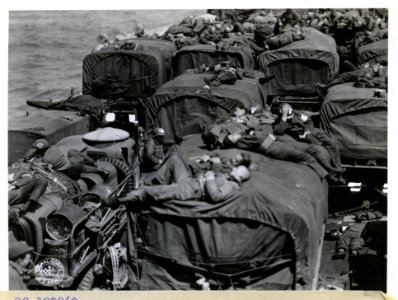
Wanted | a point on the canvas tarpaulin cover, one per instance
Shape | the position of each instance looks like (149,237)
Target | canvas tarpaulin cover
(85,104)
(166,49)
(52,125)
(191,57)
(357,120)
(368,53)
(182,106)
(276,215)
(123,73)
(299,65)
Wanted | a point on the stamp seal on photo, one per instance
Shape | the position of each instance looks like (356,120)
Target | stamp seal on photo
(49,271)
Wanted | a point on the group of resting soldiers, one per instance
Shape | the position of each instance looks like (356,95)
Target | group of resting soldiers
(265,29)
(290,137)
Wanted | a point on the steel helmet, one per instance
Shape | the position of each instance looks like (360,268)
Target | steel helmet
(17,249)
(41,144)
(158,132)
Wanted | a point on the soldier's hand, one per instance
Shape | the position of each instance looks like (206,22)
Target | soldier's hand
(130,197)
(286,109)
(215,160)
(304,135)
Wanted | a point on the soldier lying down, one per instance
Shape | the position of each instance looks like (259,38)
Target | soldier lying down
(208,186)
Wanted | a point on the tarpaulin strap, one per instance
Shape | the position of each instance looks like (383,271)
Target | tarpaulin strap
(216,274)
(137,78)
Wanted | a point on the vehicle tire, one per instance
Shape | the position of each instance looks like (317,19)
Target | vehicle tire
(86,284)
(123,170)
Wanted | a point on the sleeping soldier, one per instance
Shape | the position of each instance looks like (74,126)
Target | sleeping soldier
(283,39)
(224,73)
(209,36)
(350,241)
(251,135)
(300,127)
(74,165)
(283,148)
(365,76)
(279,148)
(208,187)
(25,187)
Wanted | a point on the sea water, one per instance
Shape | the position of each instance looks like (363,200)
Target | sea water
(47,48)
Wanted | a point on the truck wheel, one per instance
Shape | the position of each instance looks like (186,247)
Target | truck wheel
(87,281)
(123,170)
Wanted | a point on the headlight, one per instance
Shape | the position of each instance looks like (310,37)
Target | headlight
(58,229)
(132,118)
(355,187)
(59,225)
(110,117)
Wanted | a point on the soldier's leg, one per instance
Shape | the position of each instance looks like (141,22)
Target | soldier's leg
(172,170)
(188,189)
(285,151)
(20,195)
(357,243)
(344,241)
(321,157)
(227,77)
(40,183)
(313,151)
(330,146)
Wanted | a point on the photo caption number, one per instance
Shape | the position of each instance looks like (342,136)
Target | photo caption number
(48,298)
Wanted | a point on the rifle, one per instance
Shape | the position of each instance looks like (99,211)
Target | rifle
(49,176)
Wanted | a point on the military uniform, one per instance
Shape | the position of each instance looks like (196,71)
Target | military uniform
(153,154)
(215,190)
(208,36)
(172,170)
(295,127)
(18,273)
(16,277)
(283,149)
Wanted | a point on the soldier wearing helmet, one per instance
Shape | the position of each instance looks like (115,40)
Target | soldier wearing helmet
(25,187)
(39,147)
(153,150)
(20,257)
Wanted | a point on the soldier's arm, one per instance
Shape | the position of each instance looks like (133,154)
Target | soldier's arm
(219,192)
(150,152)
(280,126)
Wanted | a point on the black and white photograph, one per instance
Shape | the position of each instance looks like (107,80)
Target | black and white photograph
(210,149)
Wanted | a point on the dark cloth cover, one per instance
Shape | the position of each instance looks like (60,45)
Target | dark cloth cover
(182,106)
(357,121)
(114,73)
(369,52)
(190,57)
(85,104)
(277,213)
(297,66)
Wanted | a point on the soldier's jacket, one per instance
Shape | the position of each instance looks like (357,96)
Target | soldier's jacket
(220,187)
(153,152)
(215,133)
